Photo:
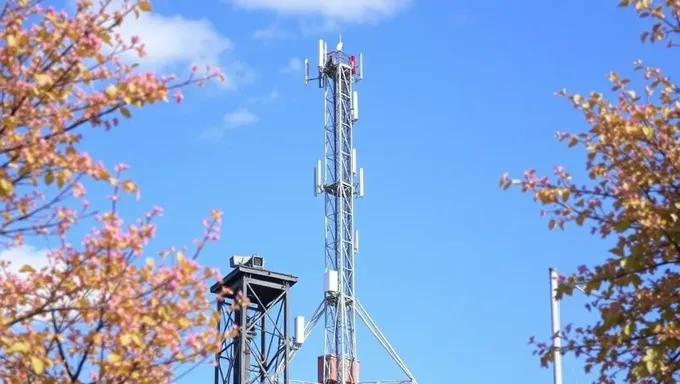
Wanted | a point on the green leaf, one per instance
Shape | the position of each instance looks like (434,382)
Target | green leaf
(125,112)
(621,225)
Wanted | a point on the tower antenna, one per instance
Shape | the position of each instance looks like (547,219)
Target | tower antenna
(338,179)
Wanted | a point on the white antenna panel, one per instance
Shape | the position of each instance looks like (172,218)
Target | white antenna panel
(354,161)
(299,330)
(361,66)
(356,241)
(325,51)
(355,106)
(330,281)
(322,56)
(317,178)
(306,71)
(361,182)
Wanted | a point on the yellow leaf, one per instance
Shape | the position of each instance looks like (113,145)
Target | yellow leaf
(180,256)
(49,177)
(145,6)
(43,79)
(113,358)
(38,365)
(137,340)
(125,339)
(565,195)
(164,312)
(125,112)
(11,41)
(111,91)
(19,347)
(26,268)
(129,186)
(184,322)
(6,187)
(147,320)
(61,179)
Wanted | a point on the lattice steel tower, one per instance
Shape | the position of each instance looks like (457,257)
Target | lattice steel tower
(339,181)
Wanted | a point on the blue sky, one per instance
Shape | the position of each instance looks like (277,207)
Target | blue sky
(454,270)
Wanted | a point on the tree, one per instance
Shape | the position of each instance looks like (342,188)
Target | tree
(633,195)
(96,313)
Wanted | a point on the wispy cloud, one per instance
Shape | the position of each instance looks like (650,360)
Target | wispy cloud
(238,74)
(272,32)
(355,11)
(238,118)
(294,65)
(265,99)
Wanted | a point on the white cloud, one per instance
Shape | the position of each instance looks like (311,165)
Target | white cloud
(346,10)
(38,258)
(272,32)
(24,255)
(240,117)
(237,75)
(175,39)
(173,42)
(294,65)
(265,99)
(237,118)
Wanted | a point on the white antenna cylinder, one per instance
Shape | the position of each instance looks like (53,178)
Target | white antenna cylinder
(299,330)
(354,161)
(325,52)
(356,241)
(306,71)
(361,66)
(322,55)
(555,316)
(361,182)
(317,178)
(330,281)
(355,106)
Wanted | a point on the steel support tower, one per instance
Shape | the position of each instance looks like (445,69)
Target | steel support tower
(337,76)
(261,343)
(339,181)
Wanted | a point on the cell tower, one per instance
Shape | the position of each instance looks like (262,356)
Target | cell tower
(336,177)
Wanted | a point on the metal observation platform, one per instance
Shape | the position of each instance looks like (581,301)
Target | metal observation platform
(261,344)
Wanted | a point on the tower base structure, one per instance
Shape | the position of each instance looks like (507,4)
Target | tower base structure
(332,362)
(261,343)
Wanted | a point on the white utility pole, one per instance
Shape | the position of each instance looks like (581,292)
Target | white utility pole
(556,331)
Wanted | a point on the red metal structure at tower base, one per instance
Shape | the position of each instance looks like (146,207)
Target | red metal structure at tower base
(350,366)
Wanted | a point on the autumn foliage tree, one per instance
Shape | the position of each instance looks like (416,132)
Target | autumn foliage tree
(99,312)
(632,152)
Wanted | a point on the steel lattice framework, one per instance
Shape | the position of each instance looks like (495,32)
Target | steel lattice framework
(336,177)
(261,344)
(339,186)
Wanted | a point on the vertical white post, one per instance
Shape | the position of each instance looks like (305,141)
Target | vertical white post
(555,316)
